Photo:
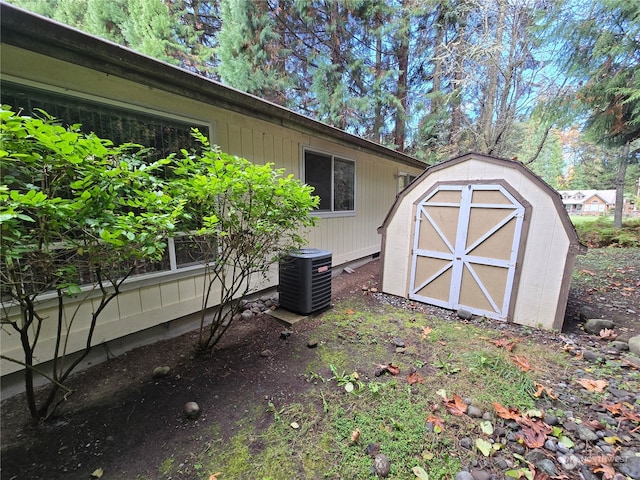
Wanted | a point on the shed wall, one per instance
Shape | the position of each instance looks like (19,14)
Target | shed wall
(546,249)
(149,301)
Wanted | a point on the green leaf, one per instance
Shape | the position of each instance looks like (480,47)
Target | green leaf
(487,427)
(420,473)
(519,473)
(566,441)
(484,446)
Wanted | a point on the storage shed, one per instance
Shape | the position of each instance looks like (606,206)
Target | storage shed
(482,234)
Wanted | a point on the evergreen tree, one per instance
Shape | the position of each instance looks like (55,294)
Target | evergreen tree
(603,53)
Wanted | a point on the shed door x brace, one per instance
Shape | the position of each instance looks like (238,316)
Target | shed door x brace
(465,248)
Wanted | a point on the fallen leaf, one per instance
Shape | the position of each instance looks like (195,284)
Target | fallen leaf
(566,441)
(533,432)
(97,473)
(607,471)
(393,369)
(420,473)
(521,362)
(608,333)
(349,311)
(214,476)
(593,385)
(442,342)
(426,331)
(355,435)
(612,440)
(506,413)
(540,389)
(484,446)
(438,425)
(506,343)
(455,405)
(414,377)
(520,473)
(443,393)
(487,427)
(587,272)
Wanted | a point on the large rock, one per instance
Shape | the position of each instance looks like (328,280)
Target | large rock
(634,345)
(631,468)
(594,325)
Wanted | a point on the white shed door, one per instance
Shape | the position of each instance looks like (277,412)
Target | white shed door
(465,249)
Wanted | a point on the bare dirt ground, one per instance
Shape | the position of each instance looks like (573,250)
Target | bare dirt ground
(122,420)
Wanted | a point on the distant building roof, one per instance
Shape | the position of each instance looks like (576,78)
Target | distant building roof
(578,197)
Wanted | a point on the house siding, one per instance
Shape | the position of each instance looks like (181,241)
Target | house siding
(150,301)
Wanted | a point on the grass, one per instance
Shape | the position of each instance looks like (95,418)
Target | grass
(314,436)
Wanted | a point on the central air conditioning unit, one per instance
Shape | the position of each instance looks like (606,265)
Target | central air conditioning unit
(305,280)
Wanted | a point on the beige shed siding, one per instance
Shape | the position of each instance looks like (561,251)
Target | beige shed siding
(546,248)
(147,302)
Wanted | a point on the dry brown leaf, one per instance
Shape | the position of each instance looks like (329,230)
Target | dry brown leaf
(393,369)
(521,362)
(355,435)
(506,343)
(506,413)
(533,431)
(455,405)
(608,472)
(587,272)
(436,422)
(414,377)
(426,331)
(349,311)
(608,333)
(593,385)
(214,476)
(540,389)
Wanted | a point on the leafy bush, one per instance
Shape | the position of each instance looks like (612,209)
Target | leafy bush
(600,233)
(74,209)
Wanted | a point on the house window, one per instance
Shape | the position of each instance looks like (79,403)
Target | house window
(404,179)
(120,125)
(333,179)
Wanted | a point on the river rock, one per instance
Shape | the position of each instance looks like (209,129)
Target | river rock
(587,313)
(634,345)
(159,372)
(191,410)
(464,476)
(381,465)
(631,467)
(594,325)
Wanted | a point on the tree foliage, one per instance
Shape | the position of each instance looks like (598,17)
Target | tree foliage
(74,209)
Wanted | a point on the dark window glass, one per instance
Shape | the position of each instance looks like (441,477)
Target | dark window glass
(333,180)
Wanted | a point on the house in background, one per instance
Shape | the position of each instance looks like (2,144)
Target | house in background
(126,96)
(591,202)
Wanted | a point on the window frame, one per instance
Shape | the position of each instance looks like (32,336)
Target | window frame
(343,158)
(176,270)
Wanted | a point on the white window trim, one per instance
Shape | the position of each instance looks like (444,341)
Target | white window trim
(332,213)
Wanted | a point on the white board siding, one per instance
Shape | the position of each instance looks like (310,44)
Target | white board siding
(147,303)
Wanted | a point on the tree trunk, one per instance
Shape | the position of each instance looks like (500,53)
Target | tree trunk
(622,172)
(487,139)
(403,78)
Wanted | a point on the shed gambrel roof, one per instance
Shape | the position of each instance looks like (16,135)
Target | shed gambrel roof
(42,35)
(548,189)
